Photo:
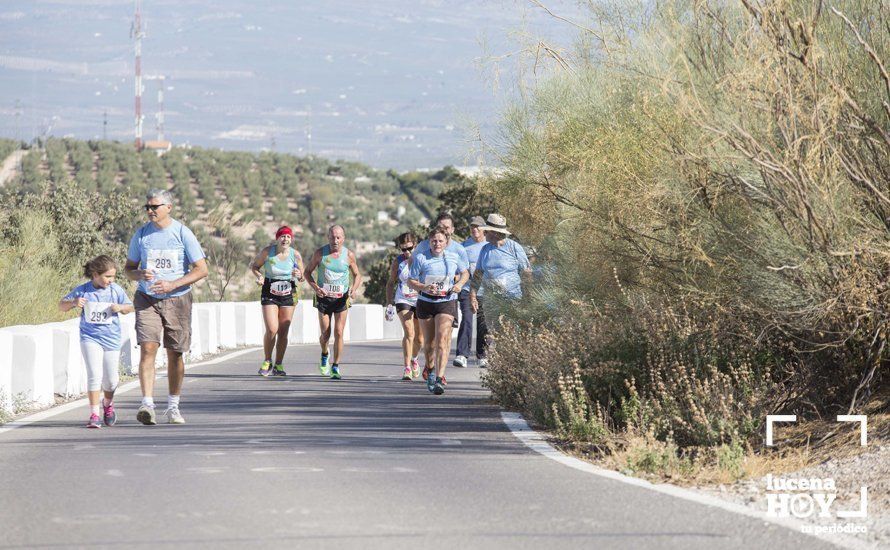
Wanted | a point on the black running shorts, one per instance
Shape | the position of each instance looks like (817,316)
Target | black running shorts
(277,296)
(328,306)
(428,310)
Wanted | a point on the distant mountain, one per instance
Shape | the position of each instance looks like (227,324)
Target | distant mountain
(391,83)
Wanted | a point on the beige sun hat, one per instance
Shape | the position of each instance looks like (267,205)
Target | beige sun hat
(496,223)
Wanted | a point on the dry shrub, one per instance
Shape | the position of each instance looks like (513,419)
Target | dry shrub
(710,180)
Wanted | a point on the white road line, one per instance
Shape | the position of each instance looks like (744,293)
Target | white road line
(539,444)
(54,411)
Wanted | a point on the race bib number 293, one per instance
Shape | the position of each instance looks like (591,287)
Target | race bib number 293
(163,261)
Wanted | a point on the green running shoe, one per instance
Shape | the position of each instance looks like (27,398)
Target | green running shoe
(265,368)
(335,373)
(278,370)
(323,367)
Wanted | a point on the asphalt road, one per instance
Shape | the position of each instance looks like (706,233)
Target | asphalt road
(365,462)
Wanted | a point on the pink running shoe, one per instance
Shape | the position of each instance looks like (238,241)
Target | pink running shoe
(415,368)
(108,415)
(94,421)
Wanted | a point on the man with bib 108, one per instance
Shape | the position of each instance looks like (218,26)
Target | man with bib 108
(165,258)
(333,274)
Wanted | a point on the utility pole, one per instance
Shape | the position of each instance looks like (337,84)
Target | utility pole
(18,120)
(137,33)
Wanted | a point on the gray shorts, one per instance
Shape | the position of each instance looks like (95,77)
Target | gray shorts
(169,318)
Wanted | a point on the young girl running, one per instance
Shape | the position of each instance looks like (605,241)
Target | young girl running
(276,268)
(405,299)
(102,301)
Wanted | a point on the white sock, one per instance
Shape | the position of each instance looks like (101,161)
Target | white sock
(94,409)
(149,402)
(172,401)
(107,402)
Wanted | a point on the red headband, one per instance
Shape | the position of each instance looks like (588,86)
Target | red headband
(284,230)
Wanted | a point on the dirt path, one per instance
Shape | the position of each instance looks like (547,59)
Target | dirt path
(10,165)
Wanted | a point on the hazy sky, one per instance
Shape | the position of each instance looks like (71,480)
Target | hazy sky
(394,83)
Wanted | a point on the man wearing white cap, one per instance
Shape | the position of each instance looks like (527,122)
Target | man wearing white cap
(498,270)
(473,245)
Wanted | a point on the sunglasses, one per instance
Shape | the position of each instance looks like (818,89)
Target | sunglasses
(408,249)
(153,207)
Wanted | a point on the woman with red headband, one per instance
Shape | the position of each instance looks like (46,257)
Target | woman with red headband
(276,268)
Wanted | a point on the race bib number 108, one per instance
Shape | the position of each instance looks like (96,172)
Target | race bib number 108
(334,291)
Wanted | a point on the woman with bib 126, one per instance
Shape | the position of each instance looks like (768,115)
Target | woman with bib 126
(402,300)
(438,276)
(277,268)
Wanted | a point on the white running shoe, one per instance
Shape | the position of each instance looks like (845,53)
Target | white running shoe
(483,363)
(460,361)
(174,416)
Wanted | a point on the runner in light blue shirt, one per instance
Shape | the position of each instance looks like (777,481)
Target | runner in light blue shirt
(499,268)
(101,301)
(439,277)
(166,259)
(501,265)
(472,246)
(165,251)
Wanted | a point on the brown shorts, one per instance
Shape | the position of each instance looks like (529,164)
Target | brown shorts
(170,318)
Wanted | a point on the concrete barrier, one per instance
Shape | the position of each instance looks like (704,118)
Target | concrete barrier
(226,331)
(366,322)
(5,371)
(204,331)
(129,347)
(249,326)
(32,364)
(392,330)
(69,371)
(304,327)
(37,361)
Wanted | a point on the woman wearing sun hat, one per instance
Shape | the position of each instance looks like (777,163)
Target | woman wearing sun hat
(499,268)
(276,268)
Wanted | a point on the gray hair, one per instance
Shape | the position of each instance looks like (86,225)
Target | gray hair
(163,194)
(336,226)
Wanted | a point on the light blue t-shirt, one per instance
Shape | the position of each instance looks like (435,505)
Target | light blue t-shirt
(97,322)
(501,266)
(440,270)
(473,249)
(423,247)
(168,252)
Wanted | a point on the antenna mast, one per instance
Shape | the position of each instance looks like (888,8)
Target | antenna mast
(137,33)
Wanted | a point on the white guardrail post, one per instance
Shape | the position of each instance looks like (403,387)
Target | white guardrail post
(5,371)
(32,380)
(69,371)
(39,361)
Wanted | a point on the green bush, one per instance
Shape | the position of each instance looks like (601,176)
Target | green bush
(707,180)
